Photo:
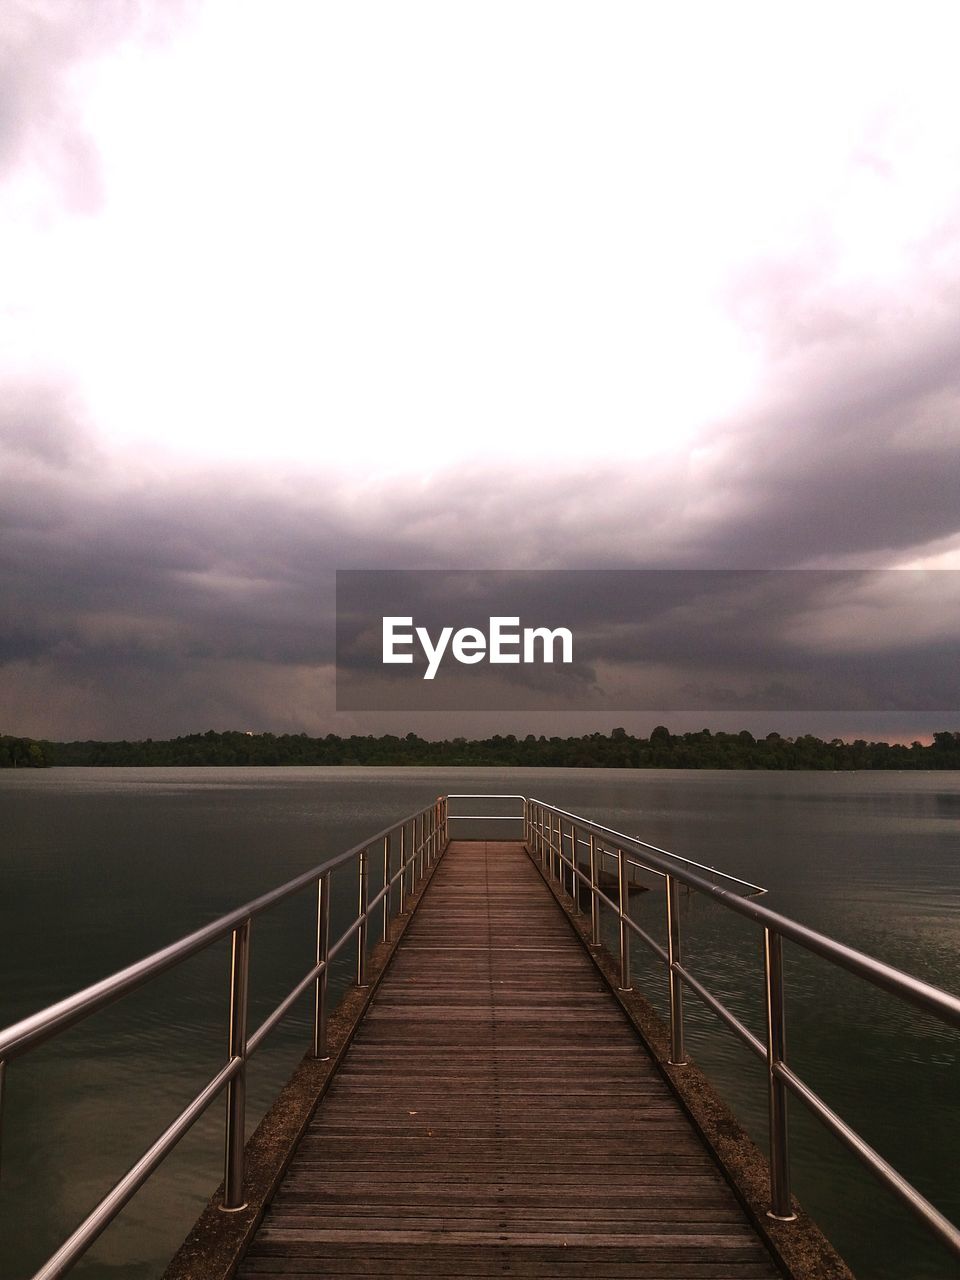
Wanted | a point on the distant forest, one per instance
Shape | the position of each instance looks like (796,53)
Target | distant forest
(617,750)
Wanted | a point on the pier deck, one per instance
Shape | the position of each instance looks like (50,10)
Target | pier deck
(496,1115)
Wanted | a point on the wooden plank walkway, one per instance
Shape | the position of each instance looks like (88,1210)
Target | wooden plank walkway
(497,1116)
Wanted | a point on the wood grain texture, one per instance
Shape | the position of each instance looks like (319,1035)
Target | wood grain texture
(496,1115)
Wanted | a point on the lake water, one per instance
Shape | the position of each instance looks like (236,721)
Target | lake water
(100,867)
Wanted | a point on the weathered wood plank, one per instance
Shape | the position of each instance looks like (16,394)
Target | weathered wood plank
(496,1116)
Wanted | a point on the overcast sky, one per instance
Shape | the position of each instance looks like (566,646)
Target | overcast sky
(296,287)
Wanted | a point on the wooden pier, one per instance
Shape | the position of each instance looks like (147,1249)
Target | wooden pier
(497,1115)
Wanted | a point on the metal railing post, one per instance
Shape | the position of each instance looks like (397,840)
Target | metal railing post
(235,1135)
(403,855)
(780,1205)
(678,1056)
(594,900)
(386,886)
(363,898)
(575,879)
(3,1079)
(624,898)
(566,869)
(323,955)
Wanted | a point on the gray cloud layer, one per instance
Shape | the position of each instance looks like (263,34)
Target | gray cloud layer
(141,599)
(138,601)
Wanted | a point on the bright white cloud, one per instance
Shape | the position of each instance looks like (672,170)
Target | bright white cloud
(373,232)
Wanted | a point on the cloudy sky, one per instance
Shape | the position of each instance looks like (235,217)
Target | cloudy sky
(299,287)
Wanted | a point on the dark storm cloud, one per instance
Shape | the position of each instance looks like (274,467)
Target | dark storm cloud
(202,590)
(854,446)
(113,575)
(140,598)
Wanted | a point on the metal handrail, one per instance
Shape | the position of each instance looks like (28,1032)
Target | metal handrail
(487,795)
(546,839)
(32,1030)
(427,830)
(487,817)
(548,832)
(620,838)
(616,837)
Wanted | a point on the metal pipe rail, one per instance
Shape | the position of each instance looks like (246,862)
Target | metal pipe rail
(488,817)
(616,838)
(619,839)
(549,832)
(421,837)
(556,837)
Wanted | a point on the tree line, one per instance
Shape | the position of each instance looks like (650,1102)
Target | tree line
(24,753)
(617,750)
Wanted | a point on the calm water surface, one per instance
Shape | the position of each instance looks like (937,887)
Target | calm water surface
(101,866)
